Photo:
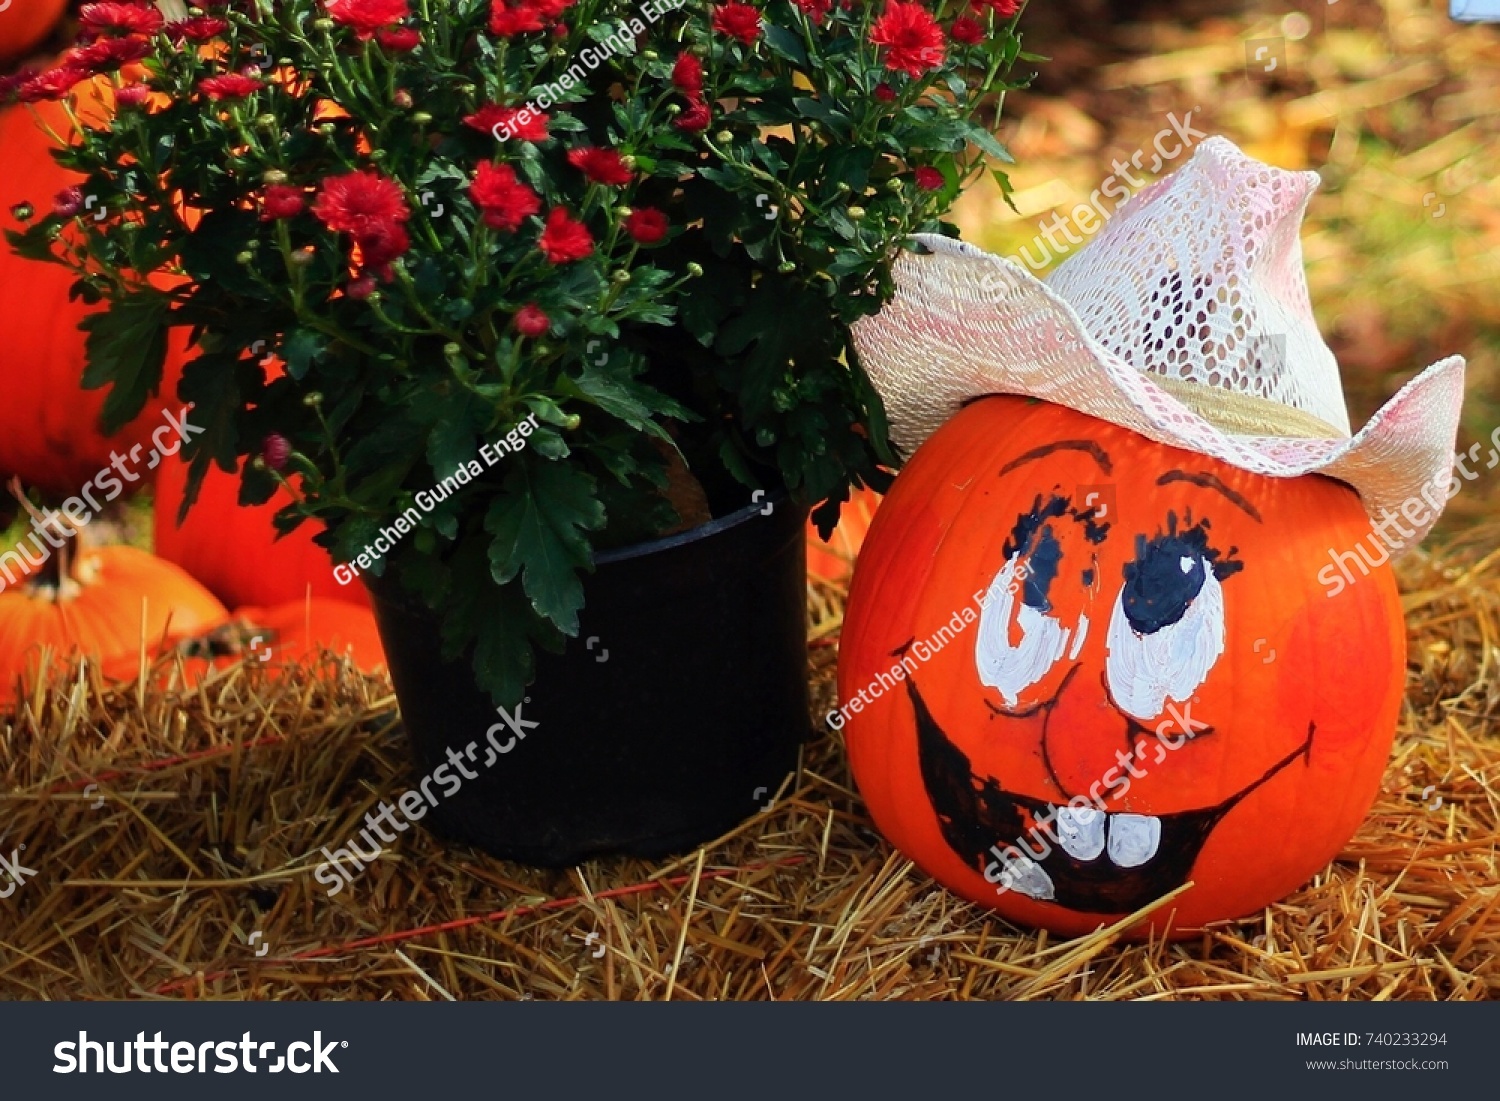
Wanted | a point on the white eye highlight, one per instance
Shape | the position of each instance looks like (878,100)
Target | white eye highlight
(1012,667)
(1146,669)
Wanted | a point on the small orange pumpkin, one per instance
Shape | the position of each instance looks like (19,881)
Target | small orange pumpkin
(278,638)
(1082,669)
(101,603)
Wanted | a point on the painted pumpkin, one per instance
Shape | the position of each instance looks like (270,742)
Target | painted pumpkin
(1082,669)
(49,424)
(96,602)
(833,560)
(24,24)
(280,637)
(233,548)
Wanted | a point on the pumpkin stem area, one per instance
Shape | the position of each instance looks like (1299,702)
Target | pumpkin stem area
(64,570)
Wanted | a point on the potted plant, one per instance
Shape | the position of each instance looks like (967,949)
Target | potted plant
(541,309)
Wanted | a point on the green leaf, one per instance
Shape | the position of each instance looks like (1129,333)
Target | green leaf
(210,383)
(987,142)
(126,349)
(815,108)
(300,348)
(538,525)
(210,250)
(628,401)
(787,44)
(34,243)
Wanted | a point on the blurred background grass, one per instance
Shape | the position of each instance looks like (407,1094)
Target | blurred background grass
(1396,106)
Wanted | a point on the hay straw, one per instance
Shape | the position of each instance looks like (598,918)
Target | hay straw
(216,802)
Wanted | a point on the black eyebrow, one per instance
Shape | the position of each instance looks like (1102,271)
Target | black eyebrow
(1209,481)
(1089,447)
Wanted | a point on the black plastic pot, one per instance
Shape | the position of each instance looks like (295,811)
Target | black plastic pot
(680,719)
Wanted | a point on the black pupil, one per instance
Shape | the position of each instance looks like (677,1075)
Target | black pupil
(1158,590)
(1041,570)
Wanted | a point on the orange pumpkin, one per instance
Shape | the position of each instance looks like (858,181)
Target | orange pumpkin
(49,432)
(24,24)
(96,602)
(305,628)
(833,560)
(279,638)
(1082,669)
(233,549)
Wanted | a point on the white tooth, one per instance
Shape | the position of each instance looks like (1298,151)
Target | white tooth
(1133,838)
(1080,831)
(1025,876)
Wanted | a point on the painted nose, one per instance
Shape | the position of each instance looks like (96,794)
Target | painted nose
(1087,744)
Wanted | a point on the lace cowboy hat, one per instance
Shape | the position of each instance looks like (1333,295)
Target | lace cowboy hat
(1187,319)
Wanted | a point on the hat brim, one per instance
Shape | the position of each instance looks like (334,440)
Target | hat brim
(941,341)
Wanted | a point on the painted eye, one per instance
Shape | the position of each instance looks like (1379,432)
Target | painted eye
(1022,635)
(1167,628)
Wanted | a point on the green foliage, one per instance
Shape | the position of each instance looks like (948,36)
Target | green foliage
(724,345)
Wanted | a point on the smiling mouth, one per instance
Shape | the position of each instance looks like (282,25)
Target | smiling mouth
(1084,859)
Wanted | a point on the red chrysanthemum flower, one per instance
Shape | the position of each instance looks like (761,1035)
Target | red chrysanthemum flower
(131,95)
(398,40)
(229,86)
(911,36)
(885,93)
(509,22)
(1003,8)
(928,178)
(200,28)
(106,54)
(378,248)
(282,201)
(814,9)
(52,84)
(503,199)
(531,321)
(366,16)
(360,288)
(566,238)
(120,18)
(10,83)
(966,30)
(510,123)
(687,74)
(360,203)
(513,17)
(275,449)
(695,118)
(739,21)
(646,225)
(603,166)
(67,202)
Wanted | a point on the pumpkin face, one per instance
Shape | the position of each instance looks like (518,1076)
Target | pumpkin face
(49,424)
(114,598)
(1095,668)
